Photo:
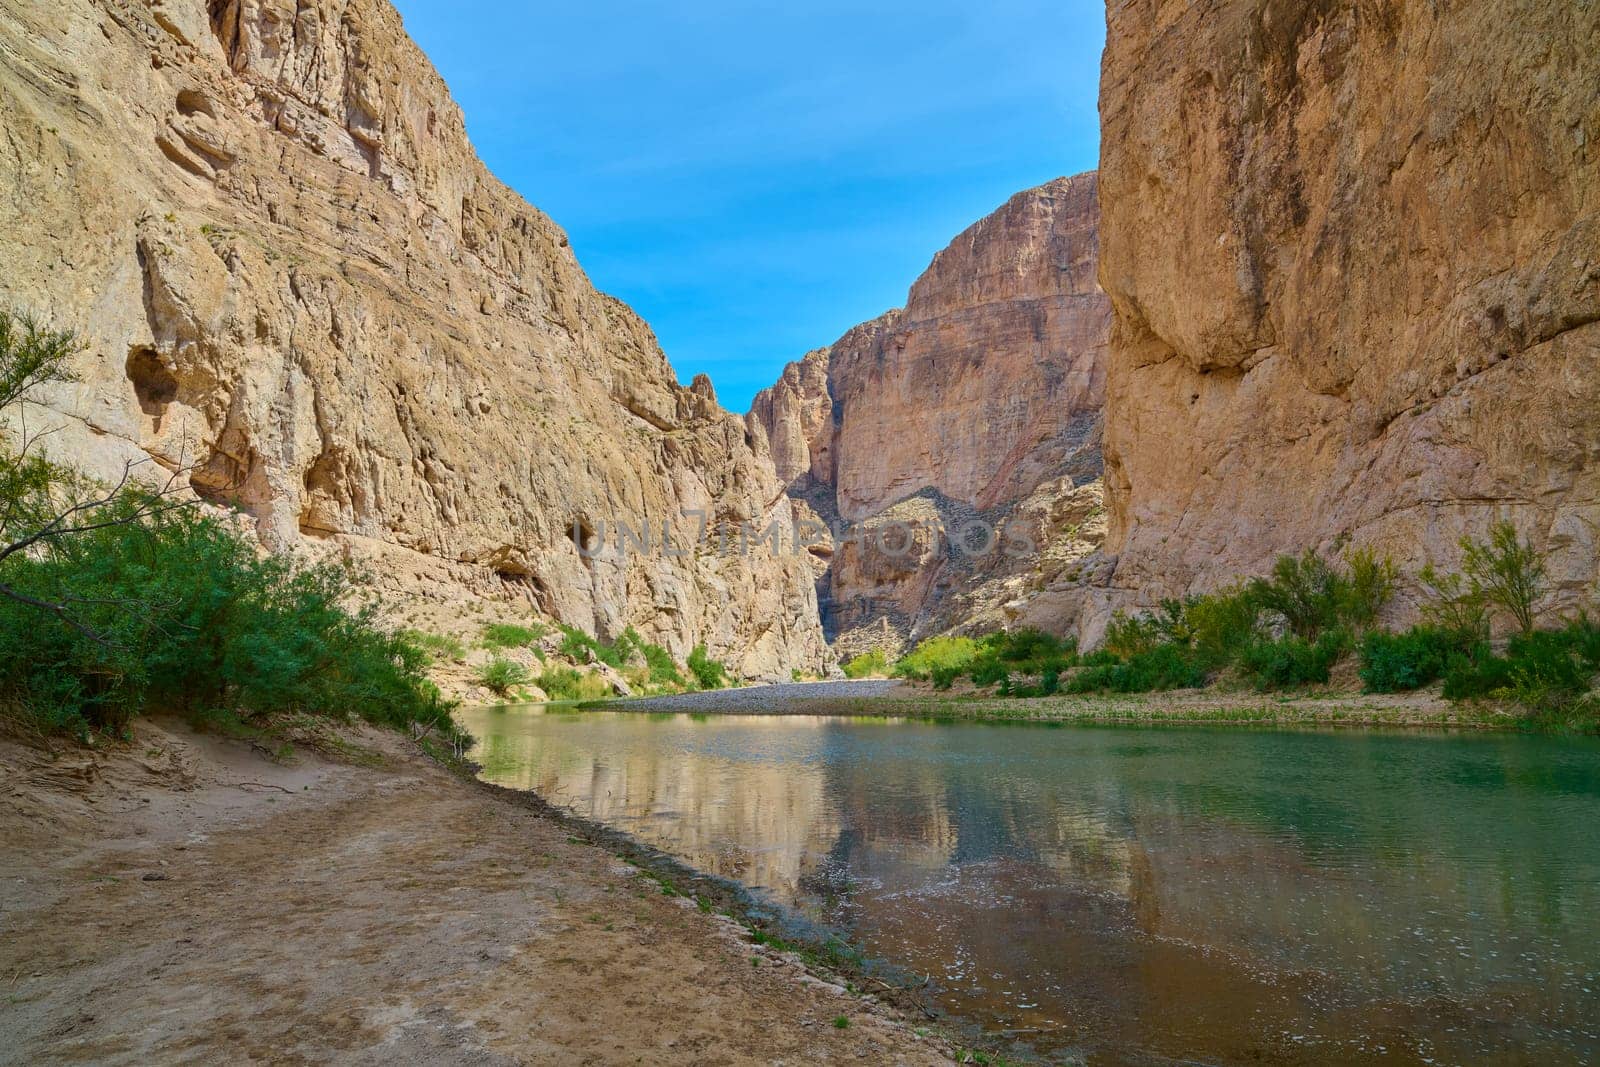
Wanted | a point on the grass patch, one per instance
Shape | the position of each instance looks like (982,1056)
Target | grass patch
(437,646)
(564,683)
(511,635)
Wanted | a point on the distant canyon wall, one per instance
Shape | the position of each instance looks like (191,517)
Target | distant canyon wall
(1353,251)
(979,401)
(292,273)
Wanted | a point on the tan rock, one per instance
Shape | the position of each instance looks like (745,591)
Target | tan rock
(292,271)
(1354,255)
(983,393)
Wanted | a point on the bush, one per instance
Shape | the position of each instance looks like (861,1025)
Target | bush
(990,671)
(937,654)
(663,670)
(1291,661)
(871,664)
(1031,650)
(1479,673)
(510,635)
(1545,669)
(1394,663)
(501,676)
(1165,666)
(1129,636)
(1314,596)
(113,602)
(1453,605)
(1027,651)
(708,673)
(1504,573)
(1219,625)
(175,610)
(576,646)
(1366,586)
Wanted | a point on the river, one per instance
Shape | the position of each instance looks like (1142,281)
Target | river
(1117,895)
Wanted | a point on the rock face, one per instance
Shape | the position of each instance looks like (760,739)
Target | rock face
(1354,256)
(979,402)
(293,274)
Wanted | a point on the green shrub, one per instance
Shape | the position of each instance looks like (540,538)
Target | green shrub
(1399,662)
(1545,669)
(663,669)
(937,654)
(501,676)
(1305,590)
(174,610)
(1453,605)
(989,671)
(1027,651)
(1218,625)
(708,673)
(1479,673)
(629,647)
(576,645)
(1128,636)
(870,664)
(1314,596)
(1367,584)
(1505,573)
(1163,667)
(1292,661)
(510,635)
(1031,650)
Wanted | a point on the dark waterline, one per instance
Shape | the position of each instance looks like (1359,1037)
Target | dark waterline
(1142,895)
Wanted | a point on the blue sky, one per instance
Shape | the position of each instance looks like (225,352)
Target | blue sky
(756,178)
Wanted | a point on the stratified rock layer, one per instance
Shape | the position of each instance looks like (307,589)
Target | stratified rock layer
(1354,255)
(978,402)
(291,271)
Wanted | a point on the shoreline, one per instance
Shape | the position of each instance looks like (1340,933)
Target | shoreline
(916,701)
(191,895)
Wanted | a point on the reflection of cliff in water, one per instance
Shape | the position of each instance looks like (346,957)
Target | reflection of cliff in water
(1278,897)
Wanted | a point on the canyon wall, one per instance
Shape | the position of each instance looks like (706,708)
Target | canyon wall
(979,401)
(296,283)
(1353,251)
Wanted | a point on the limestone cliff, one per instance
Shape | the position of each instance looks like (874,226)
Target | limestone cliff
(1354,256)
(291,272)
(978,402)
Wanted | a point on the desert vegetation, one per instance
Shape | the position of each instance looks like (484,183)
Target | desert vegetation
(1293,628)
(115,600)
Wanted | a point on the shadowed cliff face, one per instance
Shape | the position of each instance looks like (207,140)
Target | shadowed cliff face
(979,401)
(290,269)
(1354,256)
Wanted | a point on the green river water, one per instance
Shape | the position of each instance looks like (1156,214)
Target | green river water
(1141,895)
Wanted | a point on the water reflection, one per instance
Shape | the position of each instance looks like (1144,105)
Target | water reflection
(1143,895)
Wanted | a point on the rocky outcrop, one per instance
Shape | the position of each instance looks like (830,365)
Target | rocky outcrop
(977,405)
(293,275)
(1354,256)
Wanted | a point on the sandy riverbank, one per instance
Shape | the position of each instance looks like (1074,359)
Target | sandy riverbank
(185,899)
